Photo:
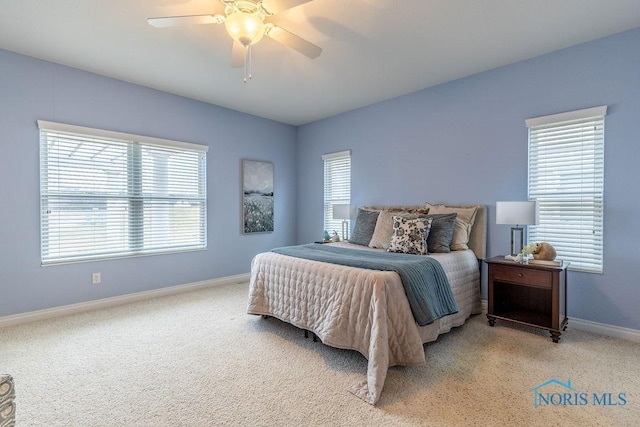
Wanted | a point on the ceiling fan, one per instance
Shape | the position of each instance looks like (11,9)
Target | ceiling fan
(246,22)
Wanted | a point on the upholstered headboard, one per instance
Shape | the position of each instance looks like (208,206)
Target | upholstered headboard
(478,236)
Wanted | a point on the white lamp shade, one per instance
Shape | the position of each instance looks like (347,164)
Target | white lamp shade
(344,211)
(518,213)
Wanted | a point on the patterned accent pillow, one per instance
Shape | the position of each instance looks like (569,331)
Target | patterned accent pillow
(363,230)
(7,404)
(410,235)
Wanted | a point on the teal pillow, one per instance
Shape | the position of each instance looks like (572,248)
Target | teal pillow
(441,233)
(365,225)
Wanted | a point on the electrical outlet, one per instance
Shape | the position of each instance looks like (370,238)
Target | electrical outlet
(96,278)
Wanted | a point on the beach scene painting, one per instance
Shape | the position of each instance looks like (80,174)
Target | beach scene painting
(257,196)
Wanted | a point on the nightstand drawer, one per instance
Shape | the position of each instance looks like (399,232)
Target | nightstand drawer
(523,275)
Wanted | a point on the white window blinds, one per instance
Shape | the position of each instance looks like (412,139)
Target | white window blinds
(337,186)
(566,177)
(106,194)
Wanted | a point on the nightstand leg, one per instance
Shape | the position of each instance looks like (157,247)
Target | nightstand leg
(555,336)
(492,321)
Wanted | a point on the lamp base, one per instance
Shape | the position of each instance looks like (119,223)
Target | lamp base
(517,240)
(345,230)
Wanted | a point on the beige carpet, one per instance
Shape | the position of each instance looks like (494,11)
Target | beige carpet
(196,359)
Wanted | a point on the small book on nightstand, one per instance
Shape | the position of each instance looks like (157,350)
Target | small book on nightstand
(554,263)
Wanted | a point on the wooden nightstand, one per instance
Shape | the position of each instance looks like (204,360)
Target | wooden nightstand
(532,295)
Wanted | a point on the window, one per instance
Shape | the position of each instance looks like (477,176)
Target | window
(566,177)
(337,186)
(106,194)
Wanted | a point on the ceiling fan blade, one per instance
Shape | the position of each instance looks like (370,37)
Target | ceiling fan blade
(289,39)
(173,21)
(276,6)
(237,55)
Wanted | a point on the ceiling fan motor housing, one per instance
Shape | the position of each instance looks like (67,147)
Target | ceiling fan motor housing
(245,22)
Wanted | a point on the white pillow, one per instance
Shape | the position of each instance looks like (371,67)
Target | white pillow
(383,231)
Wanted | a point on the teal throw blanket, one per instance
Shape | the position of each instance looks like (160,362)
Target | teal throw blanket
(423,278)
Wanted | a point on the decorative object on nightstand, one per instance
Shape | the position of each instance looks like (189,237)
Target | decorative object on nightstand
(345,212)
(529,294)
(543,254)
(518,214)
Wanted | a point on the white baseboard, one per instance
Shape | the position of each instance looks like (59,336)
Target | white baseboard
(580,324)
(595,327)
(604,329)
(113,301)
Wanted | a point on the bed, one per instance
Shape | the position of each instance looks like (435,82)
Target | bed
(368,310)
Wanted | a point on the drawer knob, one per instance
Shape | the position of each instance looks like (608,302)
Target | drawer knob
(520,275)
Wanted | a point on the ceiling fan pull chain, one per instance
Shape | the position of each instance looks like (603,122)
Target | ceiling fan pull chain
(250,75)
(246,53)
(247,63)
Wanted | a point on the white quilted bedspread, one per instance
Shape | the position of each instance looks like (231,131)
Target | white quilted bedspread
(351,308)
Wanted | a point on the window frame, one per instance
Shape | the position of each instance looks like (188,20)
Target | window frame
(149,201)
(566,178)
(337,186)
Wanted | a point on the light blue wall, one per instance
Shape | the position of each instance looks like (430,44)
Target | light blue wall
(460,142)
(466,142)
(31,89)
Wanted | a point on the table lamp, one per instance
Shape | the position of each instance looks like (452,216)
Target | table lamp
(518,214)
(345,212)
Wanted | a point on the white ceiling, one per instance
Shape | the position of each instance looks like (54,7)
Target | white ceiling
(372,49)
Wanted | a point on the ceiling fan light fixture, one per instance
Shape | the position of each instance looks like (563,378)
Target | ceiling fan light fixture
(244,21)
(245,28)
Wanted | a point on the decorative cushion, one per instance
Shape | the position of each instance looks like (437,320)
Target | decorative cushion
(410,235)
(461,234)
(383,231)
(466,216)
(441,232)
(365,224)
(384,226)
(7,404)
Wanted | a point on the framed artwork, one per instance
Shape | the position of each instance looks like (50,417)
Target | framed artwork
(257,196)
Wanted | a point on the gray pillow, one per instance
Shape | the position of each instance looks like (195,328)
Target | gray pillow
(365,225)
(441,234)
